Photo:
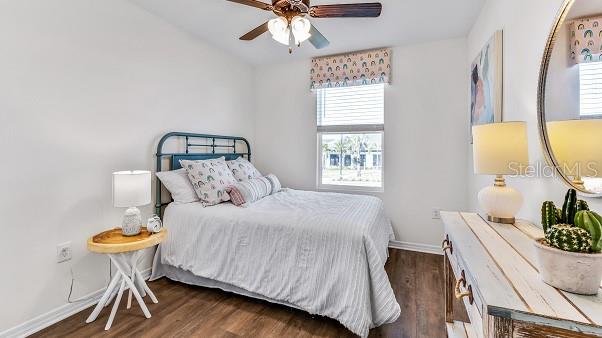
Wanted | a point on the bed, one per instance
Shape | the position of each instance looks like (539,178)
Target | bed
(320,252)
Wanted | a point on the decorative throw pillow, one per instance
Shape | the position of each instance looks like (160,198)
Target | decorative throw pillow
(276,186)
(243,170)
(243,193)
(179,186)
(210,178)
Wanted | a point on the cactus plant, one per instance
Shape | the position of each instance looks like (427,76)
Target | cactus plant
(581,206)
(569,238)
(570,255)
(591,222)
(559,216)
(549,216)
(569,208)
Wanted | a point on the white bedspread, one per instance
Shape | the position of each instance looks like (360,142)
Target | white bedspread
(322,252)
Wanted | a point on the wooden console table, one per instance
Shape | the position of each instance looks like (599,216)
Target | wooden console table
(492,268)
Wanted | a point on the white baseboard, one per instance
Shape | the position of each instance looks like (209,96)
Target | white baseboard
(56,315)
(426,248)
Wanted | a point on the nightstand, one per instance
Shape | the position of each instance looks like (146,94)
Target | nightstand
(124,252)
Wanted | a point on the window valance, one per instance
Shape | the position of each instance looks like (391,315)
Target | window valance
(352,69)
(586,39)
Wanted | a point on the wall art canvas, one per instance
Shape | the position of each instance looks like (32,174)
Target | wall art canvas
(486,83)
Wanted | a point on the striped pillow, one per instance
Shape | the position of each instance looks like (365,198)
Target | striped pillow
(243,193)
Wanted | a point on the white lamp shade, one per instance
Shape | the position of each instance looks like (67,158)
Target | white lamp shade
(131,188)
(500,148)
(577,146)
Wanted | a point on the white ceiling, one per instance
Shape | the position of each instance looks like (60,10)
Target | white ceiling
(220,23)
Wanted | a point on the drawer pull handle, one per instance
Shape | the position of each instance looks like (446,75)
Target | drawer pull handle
(447,245)
(468,293)
(445,241)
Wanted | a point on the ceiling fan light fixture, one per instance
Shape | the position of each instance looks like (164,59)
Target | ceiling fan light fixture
(292,28)
(283,37)
(278,27)
(300,27)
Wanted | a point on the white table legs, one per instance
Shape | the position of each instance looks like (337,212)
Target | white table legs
(128,275)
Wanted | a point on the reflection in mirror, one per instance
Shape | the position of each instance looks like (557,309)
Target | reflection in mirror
(573,97)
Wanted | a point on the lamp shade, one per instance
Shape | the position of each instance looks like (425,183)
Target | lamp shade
(131,188)
(500,148)
(577,146)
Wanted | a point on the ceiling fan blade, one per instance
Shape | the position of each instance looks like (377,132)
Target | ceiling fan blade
(362,10)
(255,32)
(317,39)
(254,3)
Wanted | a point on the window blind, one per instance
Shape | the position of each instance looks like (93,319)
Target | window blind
(590,89)
(361,106)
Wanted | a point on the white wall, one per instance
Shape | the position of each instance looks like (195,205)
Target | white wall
(87,88)
(525,35)
(426,133)
(562,87)
(285,124)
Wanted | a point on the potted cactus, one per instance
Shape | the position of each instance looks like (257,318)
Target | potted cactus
(569,257)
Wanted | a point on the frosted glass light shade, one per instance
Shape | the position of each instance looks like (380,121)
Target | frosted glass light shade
(300,27)
(500,148)
(283,38)
(278,27)
(131,188)
(577,146)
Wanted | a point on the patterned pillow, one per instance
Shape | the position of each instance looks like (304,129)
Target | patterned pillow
(243,170)
(209,178)
(243,193)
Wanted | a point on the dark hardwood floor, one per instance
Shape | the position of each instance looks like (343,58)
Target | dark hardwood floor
(189,311)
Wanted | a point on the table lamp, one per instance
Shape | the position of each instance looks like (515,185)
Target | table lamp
(500,149)
(131,189)
(577,147)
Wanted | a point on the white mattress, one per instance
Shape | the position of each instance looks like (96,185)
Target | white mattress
(320,252)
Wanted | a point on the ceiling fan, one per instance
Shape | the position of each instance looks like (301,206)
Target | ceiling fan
(291,27)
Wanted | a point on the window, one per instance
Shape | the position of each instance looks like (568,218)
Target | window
(350,137)
(590,89)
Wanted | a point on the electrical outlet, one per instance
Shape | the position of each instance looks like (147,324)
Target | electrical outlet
(436,214)
(63,252)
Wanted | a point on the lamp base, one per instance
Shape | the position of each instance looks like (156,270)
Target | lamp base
(132,222)
(500,202)
(502,220)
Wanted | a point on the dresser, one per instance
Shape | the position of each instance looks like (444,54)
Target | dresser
(491,267)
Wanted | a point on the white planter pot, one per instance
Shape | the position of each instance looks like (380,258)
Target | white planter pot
(570,271)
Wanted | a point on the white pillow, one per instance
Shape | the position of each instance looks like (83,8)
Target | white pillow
(243,170)
(179,186)
(210,178)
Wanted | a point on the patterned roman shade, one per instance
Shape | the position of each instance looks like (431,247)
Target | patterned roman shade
(351,69)
(586,39)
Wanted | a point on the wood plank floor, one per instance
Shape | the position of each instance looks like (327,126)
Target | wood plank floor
(190,311)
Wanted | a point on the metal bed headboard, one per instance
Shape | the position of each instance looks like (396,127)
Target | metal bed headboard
(226,146)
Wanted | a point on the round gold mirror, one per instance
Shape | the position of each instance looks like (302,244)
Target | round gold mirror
(570,96)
